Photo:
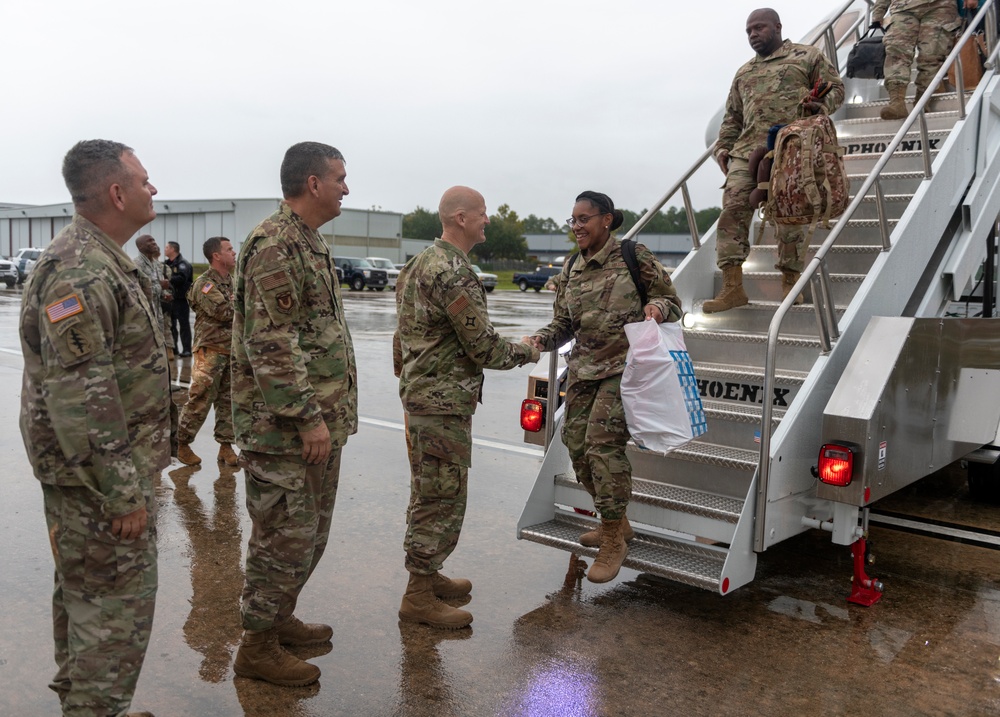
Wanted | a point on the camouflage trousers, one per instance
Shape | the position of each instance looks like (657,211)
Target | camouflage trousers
(102,604)
(210,384)
(732,244)
(440,449)
(928,29)
(291,508)
(595,435)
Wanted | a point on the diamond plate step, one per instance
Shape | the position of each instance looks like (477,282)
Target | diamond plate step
(672,497)
(739,412)
(710,454)
(685,561)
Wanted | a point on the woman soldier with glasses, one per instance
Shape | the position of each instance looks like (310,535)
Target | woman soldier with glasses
(595,299)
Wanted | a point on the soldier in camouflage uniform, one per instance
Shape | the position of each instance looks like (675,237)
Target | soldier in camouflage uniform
(443,342)
(211,297)
(295,402)
(773,88)
(595,299)
(149,265)
(926,26)
(95,425)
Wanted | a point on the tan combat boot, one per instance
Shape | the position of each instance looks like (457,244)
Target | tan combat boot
(611,554)
(788,279)
(260,657)
(732,294)
(592,538)
(227,455)
(896,109)
(295,632)
(186,456)
(445,587)
(420,604)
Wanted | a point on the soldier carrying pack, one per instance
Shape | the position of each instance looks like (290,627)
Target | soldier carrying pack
(808,182)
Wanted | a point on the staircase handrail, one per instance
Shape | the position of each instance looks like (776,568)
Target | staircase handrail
(820,279)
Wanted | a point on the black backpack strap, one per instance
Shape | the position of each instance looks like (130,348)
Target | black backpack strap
(628,253)
(570,263)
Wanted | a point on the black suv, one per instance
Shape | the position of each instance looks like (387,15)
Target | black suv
(359,273)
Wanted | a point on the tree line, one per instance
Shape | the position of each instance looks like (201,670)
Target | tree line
(506,231)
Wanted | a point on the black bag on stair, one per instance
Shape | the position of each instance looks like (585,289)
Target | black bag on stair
(867,57)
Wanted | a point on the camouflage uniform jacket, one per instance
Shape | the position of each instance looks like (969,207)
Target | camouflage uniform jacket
(881,7)
(95,392)
(444,338)
(153,271)
(293,360)
(594,303)
(211,297)
(769,90)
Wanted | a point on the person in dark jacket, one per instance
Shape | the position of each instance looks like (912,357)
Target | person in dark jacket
(181,278)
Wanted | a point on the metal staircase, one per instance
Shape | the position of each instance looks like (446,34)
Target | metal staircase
(704,511)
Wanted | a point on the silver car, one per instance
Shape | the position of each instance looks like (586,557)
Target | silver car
(8,273)
(489,280)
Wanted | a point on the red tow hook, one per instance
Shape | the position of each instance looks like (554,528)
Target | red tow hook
(864,590)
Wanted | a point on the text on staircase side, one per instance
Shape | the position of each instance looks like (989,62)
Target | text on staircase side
(907,145)
(742,392)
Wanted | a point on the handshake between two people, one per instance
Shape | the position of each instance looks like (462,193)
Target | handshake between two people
(652,313)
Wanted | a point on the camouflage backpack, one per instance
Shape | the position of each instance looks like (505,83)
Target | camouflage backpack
(809,183)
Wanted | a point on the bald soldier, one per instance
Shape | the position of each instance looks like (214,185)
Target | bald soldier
(295,402)
(443,342)
(95,424)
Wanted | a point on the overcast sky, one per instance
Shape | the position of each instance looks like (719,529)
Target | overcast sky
(529,102)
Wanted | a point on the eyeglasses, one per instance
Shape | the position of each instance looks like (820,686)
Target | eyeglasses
(573,221)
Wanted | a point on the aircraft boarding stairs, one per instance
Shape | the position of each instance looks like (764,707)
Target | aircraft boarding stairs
(699,512)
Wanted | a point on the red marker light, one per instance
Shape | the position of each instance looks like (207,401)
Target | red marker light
(836,464)
(532,414)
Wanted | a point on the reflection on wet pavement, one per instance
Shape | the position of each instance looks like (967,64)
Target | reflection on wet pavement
(213,626)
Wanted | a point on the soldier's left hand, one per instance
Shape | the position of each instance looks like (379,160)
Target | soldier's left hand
(654,313)
(971,4)
(812,108)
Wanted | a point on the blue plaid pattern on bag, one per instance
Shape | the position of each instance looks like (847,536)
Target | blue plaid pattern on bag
(692,399)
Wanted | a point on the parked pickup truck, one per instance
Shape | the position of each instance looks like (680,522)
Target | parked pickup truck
(537,280)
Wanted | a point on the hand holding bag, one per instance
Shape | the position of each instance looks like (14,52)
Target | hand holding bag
(662,407)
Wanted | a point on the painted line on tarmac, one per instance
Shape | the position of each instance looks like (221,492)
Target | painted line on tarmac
(15,352)
(485,443)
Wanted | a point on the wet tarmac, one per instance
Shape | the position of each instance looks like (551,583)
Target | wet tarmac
(543,643)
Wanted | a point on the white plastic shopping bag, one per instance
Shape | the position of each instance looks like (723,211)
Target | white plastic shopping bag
(662,406)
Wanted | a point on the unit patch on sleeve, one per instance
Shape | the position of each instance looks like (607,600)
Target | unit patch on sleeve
(64,308)
(465,317)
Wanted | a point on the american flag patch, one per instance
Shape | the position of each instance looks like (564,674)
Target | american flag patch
(458,305)
(64,308)
(207,287)
(273,281)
